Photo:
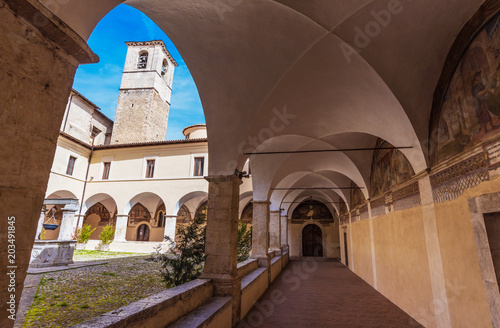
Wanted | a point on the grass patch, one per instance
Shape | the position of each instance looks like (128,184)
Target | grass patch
(77,295)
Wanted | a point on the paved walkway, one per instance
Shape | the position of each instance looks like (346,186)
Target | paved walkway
(323,294)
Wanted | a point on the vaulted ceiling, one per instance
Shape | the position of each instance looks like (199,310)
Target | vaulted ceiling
(285,75)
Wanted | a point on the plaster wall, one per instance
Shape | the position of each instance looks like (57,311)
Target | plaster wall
(172,161)
(362,250)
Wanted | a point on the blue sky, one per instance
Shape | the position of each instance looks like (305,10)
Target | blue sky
(100,82)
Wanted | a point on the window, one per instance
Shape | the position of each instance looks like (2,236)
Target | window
(71,165)
(161,220)
(143,60)
(198,166)
(105,170)
(150,168)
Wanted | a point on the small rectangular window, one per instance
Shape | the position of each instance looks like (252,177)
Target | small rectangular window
(105,170)
(150,168)
(198,166)
(71,165)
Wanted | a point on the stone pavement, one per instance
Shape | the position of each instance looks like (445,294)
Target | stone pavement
(310,293)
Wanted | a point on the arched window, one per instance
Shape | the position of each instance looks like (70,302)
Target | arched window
(143,60)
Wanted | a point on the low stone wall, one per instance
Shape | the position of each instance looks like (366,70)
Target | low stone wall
(253,285)
(246,267)
(47,253)
(276,267)
(159,310)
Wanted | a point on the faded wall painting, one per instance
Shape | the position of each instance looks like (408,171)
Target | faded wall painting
(312,210)
(201,211)
(357,197)
(389,168)
(470,112)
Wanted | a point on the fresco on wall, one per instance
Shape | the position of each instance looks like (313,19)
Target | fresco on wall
(311,210)
(470,112)
(357,197)
(389,168)
(138,213)
(202,210)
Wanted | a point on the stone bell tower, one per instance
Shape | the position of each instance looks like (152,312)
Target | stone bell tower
(144,99)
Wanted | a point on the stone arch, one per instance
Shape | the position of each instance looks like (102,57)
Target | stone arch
(98,216)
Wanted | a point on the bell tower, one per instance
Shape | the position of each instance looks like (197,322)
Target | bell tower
(145,91)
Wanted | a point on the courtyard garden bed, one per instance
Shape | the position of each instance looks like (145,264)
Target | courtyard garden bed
(65,298)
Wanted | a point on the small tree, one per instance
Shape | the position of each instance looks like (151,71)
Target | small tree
(244,241)
(185,262)
(84,233)
(107,234)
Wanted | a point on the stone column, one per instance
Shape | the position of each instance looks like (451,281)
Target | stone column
(40,223)
(284,229)
(68,222)
(222,239)
(275,231)
(434,254)
(260,233)
(121,227)
(170,225)
(34,92)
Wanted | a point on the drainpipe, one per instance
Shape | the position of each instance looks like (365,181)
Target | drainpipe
(86,177)
(67,112)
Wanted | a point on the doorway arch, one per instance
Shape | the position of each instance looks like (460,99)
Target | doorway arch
(312,241)
(143,233)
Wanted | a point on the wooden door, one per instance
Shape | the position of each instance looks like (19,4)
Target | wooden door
(312,241)
(143,233)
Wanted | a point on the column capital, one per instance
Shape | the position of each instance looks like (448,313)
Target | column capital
(121,215)
(275,212)
(261,202)
(223,178)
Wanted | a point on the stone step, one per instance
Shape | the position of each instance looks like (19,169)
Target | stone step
(205,314)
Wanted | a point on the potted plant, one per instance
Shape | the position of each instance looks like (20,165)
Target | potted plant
(83,236)
(106,236)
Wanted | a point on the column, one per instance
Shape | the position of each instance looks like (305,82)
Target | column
(222,239)
(34,93)
(284,230)
(170,224)
(121,227)
(260,233)
(68,222)
(40,223)
(275,231)
(434,254)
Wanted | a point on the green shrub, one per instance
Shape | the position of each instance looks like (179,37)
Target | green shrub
(107,234)
(84,233)
(244,241)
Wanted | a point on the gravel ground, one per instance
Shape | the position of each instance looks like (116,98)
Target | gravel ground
(65,298)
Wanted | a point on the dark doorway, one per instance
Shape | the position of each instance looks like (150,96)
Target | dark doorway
(143,233)
(345,249)
(312,241)
(492,224)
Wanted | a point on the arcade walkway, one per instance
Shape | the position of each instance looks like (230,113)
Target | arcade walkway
(323,294)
